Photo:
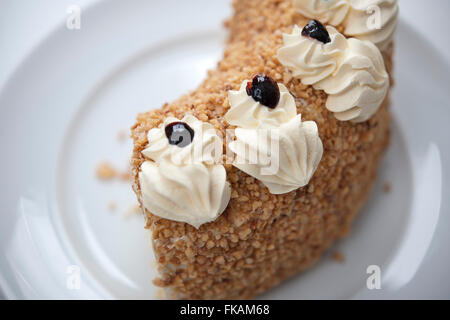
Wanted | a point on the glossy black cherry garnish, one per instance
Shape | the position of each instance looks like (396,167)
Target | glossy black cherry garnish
(314,29)
(264,90)
(179,134)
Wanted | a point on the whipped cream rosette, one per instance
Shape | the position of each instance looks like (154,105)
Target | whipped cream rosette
(273,144)
(350,71)
(183,180)
(373,20)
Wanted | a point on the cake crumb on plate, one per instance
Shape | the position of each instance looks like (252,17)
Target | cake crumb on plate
(105,171)
(126,176)
(132,211)
(121,136)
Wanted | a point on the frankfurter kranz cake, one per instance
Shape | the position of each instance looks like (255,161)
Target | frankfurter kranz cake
(248,179)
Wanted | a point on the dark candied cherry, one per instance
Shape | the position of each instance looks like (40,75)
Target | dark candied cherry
(180,134)
(264,90)
(314,29)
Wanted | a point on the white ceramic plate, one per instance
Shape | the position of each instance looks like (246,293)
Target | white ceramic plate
(62,109)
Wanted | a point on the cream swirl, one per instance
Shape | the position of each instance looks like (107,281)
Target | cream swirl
(245,112)
(373,20)
(284,158)
(185,183)
(350,71)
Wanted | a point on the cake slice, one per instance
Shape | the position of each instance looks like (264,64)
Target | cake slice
(224,230)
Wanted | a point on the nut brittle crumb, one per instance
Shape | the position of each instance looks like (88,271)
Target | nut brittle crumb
(338,257)
(112,205)
(122,136)
(133,210)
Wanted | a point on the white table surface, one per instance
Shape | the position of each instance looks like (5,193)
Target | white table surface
(24,24)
